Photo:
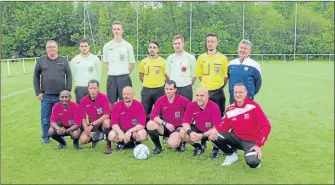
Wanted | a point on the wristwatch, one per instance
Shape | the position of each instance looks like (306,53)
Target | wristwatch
(164,123)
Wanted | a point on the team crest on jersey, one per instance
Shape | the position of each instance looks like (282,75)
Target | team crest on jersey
(122,57)
(183,69)
(99,111)
(134,121)
(245,68)
(177,114)
(208,125)
(246,116)
(90,69)
(157,71)
(217,69)
(70,122)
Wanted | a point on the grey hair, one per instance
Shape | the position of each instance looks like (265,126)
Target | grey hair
(52,41)
(247,42)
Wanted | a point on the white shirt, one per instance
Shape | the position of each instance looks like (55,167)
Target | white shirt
(118,55)
(181,68)
(85,69)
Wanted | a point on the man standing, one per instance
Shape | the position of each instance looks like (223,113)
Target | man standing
(52,75)
(205,114)
(65,120)
(128,120)
(171,107)
(153,75)
(245,70)
(249,129)
(96,107)
(212,71)
(181,67)
(118,56)
(85,67)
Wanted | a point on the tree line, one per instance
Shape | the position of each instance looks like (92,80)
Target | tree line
(26,26)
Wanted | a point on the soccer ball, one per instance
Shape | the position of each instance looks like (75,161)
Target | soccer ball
(141,151)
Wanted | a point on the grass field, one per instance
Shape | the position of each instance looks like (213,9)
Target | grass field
(297,97)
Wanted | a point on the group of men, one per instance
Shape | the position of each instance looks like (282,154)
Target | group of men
(166,108)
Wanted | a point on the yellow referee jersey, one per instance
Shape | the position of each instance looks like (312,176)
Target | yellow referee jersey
(154,70)
(212,69)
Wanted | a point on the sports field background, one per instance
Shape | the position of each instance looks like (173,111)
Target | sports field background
(298,98)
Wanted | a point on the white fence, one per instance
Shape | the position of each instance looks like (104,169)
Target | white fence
(20,66)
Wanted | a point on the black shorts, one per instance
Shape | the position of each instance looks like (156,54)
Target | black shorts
(186,92)
(80,92)
(149,97)
(218,97)
(167,132)
(195,129)
(115,85)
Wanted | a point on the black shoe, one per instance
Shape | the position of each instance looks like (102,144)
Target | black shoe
(94,144)
(61,147)
(198,151)
(204,144)
(76,145)
(119,147)
(182,147)
(165,140)
(157,150)
(129,145)
(215,154)
(108,150)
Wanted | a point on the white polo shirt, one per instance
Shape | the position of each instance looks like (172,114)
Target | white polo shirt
(118,55)
(85,69)
(181,68)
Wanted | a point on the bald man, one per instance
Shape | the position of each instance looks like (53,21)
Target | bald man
(128,121)
(65,120)
(205,114)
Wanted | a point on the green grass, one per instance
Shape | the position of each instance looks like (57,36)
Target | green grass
(297,97)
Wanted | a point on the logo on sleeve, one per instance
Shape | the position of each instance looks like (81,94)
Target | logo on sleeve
(177,114)
(134,121)
(246,116)
(99,111)
(208,125)
(70,122)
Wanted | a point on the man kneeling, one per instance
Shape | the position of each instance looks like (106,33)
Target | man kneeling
(172,108)
(65,120)
(128,120)
(249,129)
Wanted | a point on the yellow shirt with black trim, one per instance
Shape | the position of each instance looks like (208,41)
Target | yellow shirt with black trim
(212,69)
(154,70)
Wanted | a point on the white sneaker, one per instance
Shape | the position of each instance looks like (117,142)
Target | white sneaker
(230,159)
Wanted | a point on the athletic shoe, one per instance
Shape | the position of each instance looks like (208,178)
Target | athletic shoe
(61,146)
(76,145)
(157,150)
(215,154)
(45,141)
(94,144)
(198,151)
(108,150)
(165,140)
(182,147)
(119,147)
(130,145)
(230,159)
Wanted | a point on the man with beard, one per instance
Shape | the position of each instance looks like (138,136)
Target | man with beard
(65,120)
(52,75)
(244,70)
(96,106)
(153,75)
(166,119)
(128,121)
(85,67)
(205,114)
(212,72)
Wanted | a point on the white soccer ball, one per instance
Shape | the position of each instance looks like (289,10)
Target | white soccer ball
(141,151)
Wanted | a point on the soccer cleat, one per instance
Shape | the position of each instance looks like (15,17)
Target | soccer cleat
(108,150)
(45,141)
(198,151)
(157,150)
(204,144)
(182,147)
(215,154)
(94,144)
(130,145)
(230,159)
(61,146)
(76,145)
(119,147)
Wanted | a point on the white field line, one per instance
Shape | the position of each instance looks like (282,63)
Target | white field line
(13,94)
(303,74)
